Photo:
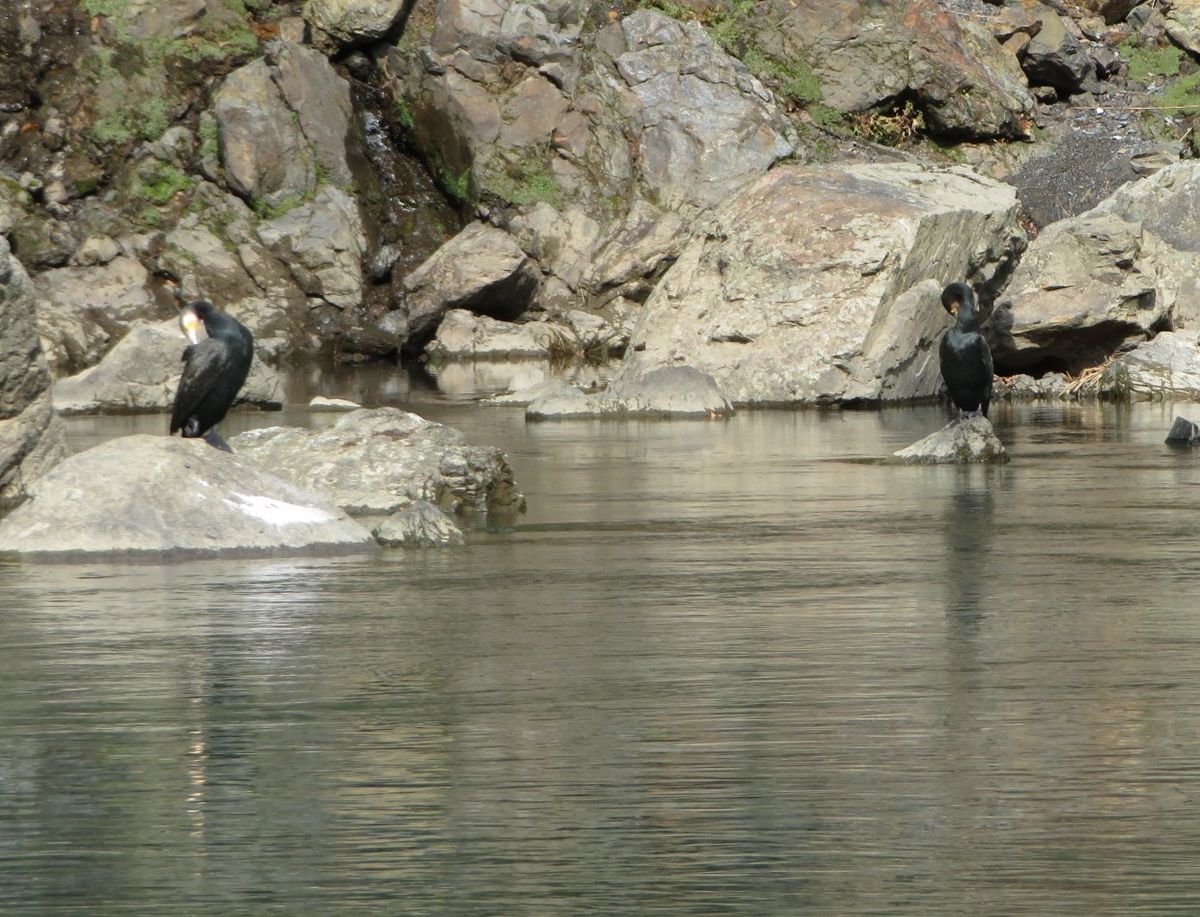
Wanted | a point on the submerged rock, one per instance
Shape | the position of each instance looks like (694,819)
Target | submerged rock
(960,442)
(674,391)
(383,459)
(422,525)
(1183,432)
(159,497)
(142,372)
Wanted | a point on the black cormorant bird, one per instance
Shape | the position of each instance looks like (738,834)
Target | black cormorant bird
(213,371)
(966,357)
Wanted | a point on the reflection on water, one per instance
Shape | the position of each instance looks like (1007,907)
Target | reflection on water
(725,666)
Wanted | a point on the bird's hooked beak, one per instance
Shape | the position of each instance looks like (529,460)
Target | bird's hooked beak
(190,322)
(952,307)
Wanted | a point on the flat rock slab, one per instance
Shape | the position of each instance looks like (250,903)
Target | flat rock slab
(379,460)
(157,497)
(673,391)
(960,442)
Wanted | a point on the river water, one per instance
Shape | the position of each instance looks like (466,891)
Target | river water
(719,667)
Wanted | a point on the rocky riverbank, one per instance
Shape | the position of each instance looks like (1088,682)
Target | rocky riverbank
(768,193)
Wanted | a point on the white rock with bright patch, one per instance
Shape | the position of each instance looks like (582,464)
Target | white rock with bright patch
(158,497)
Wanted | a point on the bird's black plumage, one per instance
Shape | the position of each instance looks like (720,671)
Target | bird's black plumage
(213,372)
(965,356)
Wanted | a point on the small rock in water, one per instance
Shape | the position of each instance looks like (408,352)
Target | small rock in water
(1184,432)
(321,403)
(969,441)
(421,525)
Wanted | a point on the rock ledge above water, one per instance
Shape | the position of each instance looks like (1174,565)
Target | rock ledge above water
(156,497)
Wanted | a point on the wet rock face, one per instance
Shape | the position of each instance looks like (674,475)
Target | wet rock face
(381,460)
(961,442)
(813,285)
(161,497)
(32,439)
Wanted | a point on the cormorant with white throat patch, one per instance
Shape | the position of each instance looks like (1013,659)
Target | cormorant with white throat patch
(965,356)
(213,371)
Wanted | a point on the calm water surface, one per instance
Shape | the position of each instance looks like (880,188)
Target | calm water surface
(719,667)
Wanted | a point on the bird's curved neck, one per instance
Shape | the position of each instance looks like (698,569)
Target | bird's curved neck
(966,319)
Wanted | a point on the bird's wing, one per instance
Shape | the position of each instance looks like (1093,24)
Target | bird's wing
(201,369)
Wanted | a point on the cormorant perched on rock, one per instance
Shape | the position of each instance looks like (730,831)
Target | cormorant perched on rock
(213,371)
(966,357)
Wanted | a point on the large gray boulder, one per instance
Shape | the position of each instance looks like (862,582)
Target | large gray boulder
(820,284)
(141,374)
(265,153)
(708,126)
(961,442)
(342,23)
(866,53)
(87,308)
(32,439)
(1055,57)
(1183,25)
(482,269)
(1106,279)
(672,391)
(320,98)
(1166,367)
(163,497)
(283,122)
(377,461)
